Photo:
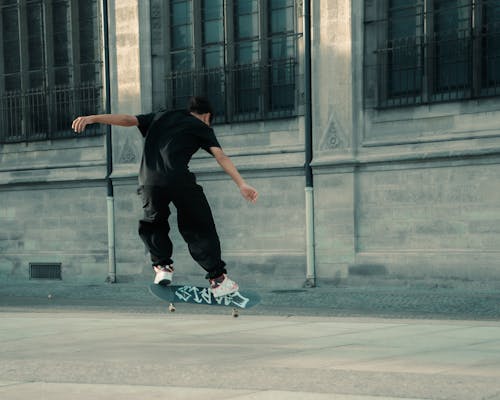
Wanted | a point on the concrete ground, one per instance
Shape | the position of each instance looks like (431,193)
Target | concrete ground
(108,355)
(418,341)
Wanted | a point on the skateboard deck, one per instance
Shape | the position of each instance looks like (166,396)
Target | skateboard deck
(202,295)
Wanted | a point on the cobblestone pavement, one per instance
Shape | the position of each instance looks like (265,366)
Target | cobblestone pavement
(431,300)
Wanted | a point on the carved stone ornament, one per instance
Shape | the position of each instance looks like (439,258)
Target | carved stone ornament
(330,138)
(128,154)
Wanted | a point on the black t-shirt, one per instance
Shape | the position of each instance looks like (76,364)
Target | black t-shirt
(171,139)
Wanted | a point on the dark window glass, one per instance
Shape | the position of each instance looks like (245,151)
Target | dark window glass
(274,4)
(247,90)
(35,36)
(61,28)
(212,9)
(246,6)
(282,47)
(213,32)
(181,12)
(281,54)
(213,22)
(490,38)
(10,35)
(247,26)
(213,57)
(181,38)
(403,48)
(181,33)
(88,31)
(182,61)
(282,20)
(453,52)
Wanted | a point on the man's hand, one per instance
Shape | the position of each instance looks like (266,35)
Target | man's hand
(249,193)
(80,123)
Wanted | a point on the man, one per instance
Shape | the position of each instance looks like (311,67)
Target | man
(171,139)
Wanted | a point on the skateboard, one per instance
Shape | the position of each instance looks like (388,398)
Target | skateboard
(202,295)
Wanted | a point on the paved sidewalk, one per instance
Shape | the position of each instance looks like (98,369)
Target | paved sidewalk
(58,355)
(368,298)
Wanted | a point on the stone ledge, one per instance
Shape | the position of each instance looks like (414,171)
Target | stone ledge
(54,174)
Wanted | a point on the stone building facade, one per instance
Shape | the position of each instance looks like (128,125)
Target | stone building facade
(400,190)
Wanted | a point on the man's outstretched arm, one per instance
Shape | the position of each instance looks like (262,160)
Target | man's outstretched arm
(247,191)
(80,123)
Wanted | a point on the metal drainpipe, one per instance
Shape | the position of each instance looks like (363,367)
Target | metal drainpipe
(309,189)
(109,150)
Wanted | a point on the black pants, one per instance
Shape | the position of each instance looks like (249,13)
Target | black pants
(194,219)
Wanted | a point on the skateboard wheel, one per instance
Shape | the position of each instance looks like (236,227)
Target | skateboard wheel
(171,307)
(235,313)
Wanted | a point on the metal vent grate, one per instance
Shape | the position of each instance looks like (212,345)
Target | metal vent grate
(51,271)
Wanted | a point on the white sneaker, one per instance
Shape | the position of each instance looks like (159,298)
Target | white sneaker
(223,286)
(164,274)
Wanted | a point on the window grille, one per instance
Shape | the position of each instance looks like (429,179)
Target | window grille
(429,51)
(242,55)
(50,67)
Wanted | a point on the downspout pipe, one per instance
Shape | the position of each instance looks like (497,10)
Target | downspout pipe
(309,188)
(109,149)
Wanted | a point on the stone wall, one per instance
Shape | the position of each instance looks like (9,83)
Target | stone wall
(431,220)
(54,223)
(405,193)
(53,207)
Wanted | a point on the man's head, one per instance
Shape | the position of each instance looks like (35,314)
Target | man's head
(201,108)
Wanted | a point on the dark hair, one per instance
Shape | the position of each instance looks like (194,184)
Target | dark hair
(201,105)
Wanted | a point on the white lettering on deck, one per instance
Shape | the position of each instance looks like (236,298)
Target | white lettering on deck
(203,296)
